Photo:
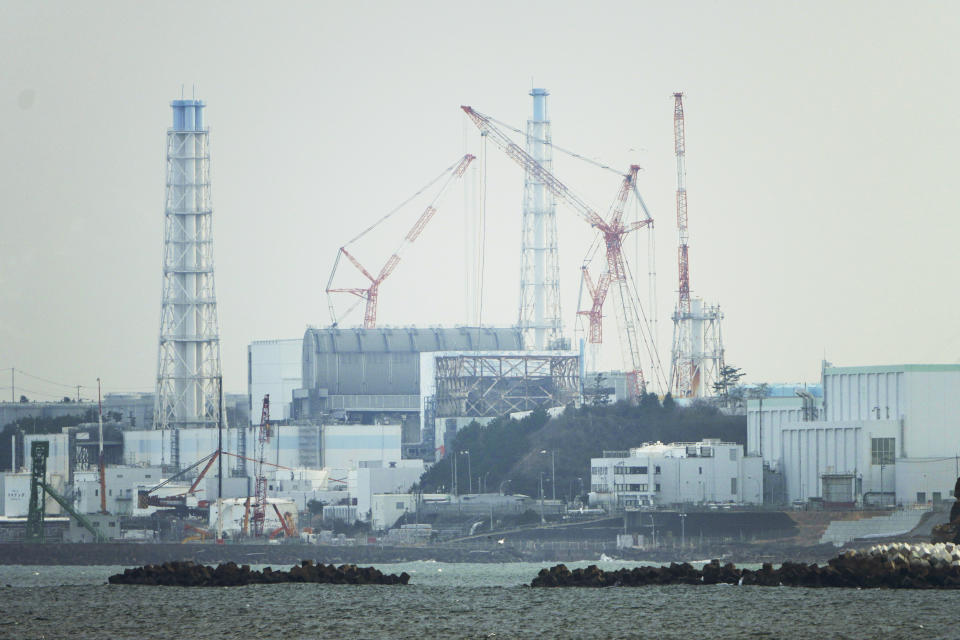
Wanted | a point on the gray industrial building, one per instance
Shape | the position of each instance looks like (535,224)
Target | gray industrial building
(372,375)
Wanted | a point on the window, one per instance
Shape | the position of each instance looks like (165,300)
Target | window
(111,524)
(733,486)
(733,453)
(882,450)
(632,471)
(656,469)
(700,470)
(921,497)
(399,506)
(657,487)
(937,497)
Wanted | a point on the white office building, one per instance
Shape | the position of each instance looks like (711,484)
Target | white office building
(660,474)
(881,435)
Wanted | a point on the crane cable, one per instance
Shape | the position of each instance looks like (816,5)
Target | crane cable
(404,203)
(560,149)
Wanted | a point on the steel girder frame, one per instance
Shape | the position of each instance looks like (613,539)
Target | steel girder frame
(495,385)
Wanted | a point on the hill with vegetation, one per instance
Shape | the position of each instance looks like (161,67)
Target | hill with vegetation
(510,455)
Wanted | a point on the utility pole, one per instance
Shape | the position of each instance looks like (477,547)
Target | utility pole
(553,473)
(541,498)
(220,459)
(469,472)
(220,439)
(553,470)
(453,484)
(101,464)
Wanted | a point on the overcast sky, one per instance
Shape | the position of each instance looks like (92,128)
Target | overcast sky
(821,168)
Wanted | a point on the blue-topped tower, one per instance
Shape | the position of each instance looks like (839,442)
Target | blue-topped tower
(540,319)
(188,363)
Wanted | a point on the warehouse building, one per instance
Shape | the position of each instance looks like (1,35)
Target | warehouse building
(881,435)
(370,374)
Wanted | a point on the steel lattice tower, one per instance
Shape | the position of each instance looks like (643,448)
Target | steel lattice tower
(540,319)
(697,352)
(188,363)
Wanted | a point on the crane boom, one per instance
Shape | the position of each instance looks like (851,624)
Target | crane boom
(528,163)
(684,376)
(260,480)
(371,293)
(613,231)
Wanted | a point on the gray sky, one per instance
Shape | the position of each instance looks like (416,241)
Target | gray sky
(820,166)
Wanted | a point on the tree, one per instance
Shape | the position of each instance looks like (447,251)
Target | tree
(24,400)
(649,402)
(669,404)
(599,394)
(729,377)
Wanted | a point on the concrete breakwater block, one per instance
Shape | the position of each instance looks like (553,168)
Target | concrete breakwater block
(892,566)
(191,574)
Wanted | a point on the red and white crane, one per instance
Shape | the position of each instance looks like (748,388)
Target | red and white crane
(633,326)
(371,293)
(260,480)
(697,352)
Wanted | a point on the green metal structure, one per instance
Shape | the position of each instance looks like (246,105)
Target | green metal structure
(39,450)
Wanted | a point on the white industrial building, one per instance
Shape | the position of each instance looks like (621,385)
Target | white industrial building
(274,367)
(121,483)
(660,474)
(880,435)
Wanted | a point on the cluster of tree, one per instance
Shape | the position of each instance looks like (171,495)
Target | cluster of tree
(521,456)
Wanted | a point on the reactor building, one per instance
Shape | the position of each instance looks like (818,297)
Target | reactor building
(432,380)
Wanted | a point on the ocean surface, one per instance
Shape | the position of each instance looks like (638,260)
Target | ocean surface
(456,601)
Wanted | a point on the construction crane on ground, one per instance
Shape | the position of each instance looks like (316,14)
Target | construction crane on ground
(371,293)
(260,480)
(697,349)
(633,326)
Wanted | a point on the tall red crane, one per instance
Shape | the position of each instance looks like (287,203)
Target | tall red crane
(371,293)
(260,493)
(613,231)
(598,292)
(684,374)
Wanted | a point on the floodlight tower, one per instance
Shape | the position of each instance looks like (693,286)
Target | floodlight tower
(540,319)
(188,364)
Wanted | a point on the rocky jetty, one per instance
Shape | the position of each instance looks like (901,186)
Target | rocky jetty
(892,566)
(191,574)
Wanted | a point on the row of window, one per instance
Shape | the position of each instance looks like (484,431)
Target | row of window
(643,487)
(630,471)
(632,487)
(624,471)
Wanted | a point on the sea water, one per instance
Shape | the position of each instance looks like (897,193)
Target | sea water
(456,601)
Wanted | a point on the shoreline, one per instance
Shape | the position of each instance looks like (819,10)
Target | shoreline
(136,554)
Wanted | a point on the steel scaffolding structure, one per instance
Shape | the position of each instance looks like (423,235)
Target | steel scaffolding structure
(188,362)
(484,385)
(540,318)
